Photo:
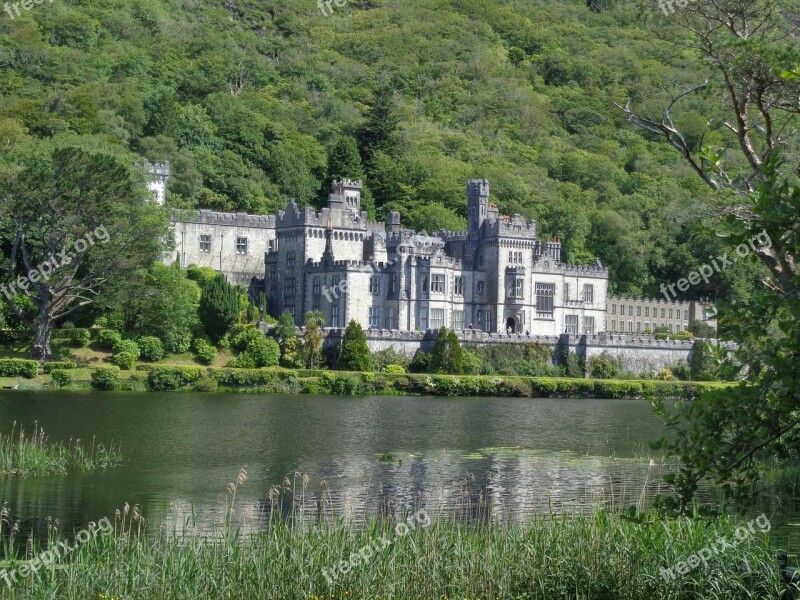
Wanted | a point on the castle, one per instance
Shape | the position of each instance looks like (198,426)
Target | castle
(497,276)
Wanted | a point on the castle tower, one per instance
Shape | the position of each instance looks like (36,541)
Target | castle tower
(159,174)
(346,194)
(477,203)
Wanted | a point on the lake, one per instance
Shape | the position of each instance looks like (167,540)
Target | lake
(480,457)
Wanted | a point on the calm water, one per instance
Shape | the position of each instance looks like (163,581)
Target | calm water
(503,457)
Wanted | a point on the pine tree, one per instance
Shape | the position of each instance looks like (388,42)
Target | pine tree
(344,161)
(220,306)
(355,354)
(446,354)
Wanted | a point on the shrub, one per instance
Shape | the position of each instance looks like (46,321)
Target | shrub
(390,356)
(264,352)
(345,385)
(206,352)
(127,347)
(664,374)
(106,379)
(170,379)
(394,370)
(206,383)
(682,372)
(242,335)
(61,377)
(604,366)
(78,338)
(177,341)
(243,361)
(124,360)
(152,348)
(61,366)
(108,338)
(16,367)
(355,354)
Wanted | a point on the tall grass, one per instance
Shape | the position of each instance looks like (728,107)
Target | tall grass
(600,557)
(34,455)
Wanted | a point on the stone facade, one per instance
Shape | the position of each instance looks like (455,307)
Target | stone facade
(636,315)
(496,277)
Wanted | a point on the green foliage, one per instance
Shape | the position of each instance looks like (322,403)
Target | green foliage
(446,354)
(220,305)
(604,366)
(15,367)
(152,348)
(171,379)
(49,367)
(383,358)
(124,360)
(704,362)
(206,352)
(575,366)
(286,328)
(78,338)
(128,347)
(264,352)
(292,355)
(106,379)
(313,338)
(355,354)
(108,338)
(61,378)
(177,341)
(242,335)
(202,275)
(393,370)
(166,306)
(702,330)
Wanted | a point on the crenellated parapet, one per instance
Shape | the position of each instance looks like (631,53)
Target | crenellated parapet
(208,217)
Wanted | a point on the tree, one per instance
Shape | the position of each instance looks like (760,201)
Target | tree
(220,305)
(355,354)
(446,354)
(76,222)
(286,328)
(344,161)
(168,304)
(313,338)
(725,434)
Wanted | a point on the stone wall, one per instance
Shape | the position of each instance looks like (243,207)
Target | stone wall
(640,354)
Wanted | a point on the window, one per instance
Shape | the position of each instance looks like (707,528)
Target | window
(374,316)
(374,285)
(437,318)
(480,316)
(335,316)
(273,291)
(647,324)
(273,272)
(571,324)
(613,308)
(459,286)
(630,326)
(487,325)
(317,286)
(271,245)
(480,287)
(566,297)
(544,300)
(424,283)
(686,315)
(290,308)
(638,327)
(588,325)
(289,288)
(630,310)
(205,243)
(457,320)
(638,311)
(241,245)
(622,309)
(663,313)
(646,311)
(613,325)
(516,288)
(670,313)
(511,257)
(389,318)
(437,284)
(588,293)
(290,259)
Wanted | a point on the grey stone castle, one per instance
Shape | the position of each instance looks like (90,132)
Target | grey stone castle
(498,276)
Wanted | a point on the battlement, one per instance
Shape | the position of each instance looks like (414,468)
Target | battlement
(657,301)
(436,261)
(588,269)
(452,236)
(208,217)
(159,169)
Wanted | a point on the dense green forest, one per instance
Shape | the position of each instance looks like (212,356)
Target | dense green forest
(254,103)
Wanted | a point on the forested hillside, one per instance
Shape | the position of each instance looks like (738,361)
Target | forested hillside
(254,103)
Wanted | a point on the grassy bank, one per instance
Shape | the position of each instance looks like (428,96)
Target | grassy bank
(604,557)
(159,377)
(34,455)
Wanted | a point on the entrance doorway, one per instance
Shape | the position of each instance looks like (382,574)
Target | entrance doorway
(511,325)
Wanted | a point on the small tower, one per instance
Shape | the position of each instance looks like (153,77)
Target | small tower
(394,222)
(477,203)
(159,175)
(346,194)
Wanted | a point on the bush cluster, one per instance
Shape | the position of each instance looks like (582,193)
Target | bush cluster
(60,365)
(17,367)
(106,379)
(152,348)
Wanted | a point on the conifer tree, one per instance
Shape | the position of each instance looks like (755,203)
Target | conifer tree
(219,307)
(355,354)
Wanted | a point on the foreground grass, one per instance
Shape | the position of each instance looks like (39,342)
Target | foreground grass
(604,557)
(35,456)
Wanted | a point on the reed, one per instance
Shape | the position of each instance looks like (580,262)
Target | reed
(33,455)
(604,556)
